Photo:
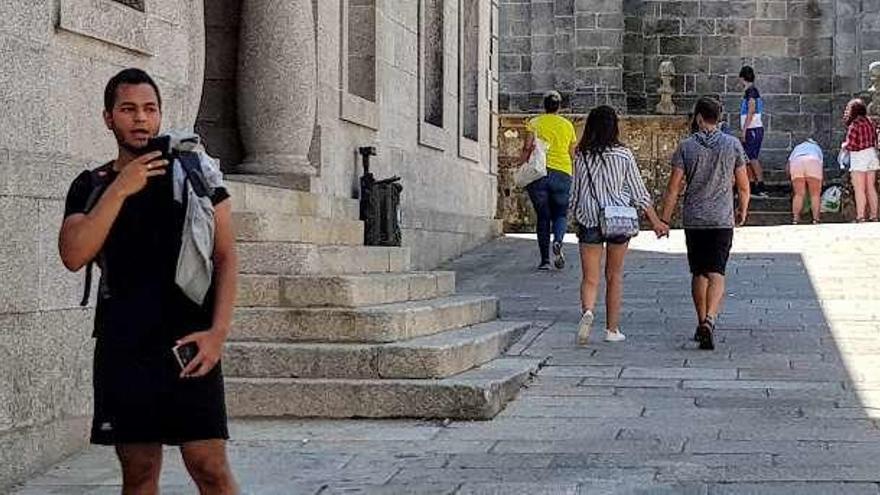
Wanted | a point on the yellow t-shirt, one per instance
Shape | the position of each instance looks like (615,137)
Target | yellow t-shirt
(558,132)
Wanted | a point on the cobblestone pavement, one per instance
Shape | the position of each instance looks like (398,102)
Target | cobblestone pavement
(788,403)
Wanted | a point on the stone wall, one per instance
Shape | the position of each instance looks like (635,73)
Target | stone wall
(372,95)
(809,55)
(449,181)
(217,121)
(57,57)
(574,46)
(652,140)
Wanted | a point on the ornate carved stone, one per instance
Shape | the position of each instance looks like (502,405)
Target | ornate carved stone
(276,86)
(874,76)
(667,70)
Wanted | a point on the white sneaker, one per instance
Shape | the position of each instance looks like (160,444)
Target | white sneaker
(614,336)
(584,327)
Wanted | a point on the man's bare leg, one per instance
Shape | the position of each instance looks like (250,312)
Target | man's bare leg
(208,465)
(700,294)
(141,465)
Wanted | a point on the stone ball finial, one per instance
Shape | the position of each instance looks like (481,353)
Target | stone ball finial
(874,69)
(667,68)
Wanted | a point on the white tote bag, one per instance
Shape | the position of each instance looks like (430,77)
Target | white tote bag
(534,168)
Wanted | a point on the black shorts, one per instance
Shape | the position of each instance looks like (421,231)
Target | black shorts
(593,235)
(140,398)
(708,250)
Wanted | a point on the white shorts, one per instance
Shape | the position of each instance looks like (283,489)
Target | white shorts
(864,161)
(805,166)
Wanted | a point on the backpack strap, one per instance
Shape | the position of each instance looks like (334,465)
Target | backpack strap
(99,182)
(192,166)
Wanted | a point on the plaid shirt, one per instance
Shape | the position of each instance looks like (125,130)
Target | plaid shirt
(861,135)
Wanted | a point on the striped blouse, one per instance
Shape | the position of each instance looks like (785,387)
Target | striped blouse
(617,182)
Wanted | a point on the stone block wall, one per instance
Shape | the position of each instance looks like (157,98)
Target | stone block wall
(57,56)
(574,46)
(651,139)
(810,57)
(788,43)
(449,181)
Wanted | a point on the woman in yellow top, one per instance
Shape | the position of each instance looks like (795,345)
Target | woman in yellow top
(549,194)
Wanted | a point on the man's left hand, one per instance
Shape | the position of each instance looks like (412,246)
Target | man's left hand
(210,343)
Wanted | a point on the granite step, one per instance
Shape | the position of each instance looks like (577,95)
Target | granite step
(285,258)
(434,356)
(342,290)
(268,226)
(480,393)
(772,218)
(368,324)
(247,196)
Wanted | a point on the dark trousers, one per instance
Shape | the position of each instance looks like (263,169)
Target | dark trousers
(549,196)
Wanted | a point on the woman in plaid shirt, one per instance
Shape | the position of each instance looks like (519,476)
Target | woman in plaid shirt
(861,142)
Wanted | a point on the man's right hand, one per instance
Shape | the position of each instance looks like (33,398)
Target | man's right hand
(134,175)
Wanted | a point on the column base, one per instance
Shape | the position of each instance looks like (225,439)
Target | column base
(296,182)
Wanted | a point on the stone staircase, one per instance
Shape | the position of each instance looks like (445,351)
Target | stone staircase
(776,208)
(327,327)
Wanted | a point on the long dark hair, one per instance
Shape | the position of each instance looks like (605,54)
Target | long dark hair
(855,108)
(601,132)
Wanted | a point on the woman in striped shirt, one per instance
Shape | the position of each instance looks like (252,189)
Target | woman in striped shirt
(605,174)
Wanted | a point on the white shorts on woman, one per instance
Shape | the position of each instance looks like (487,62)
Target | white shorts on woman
(865,160)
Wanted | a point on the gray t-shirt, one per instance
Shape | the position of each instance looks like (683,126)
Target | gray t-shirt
(709,161)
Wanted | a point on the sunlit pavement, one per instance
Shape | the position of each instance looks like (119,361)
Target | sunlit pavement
(788,402)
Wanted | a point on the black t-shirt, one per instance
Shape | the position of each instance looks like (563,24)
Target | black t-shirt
(142,305)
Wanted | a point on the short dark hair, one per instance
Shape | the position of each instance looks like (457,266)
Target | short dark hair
(709,109)
(747,73)
(127,76)
(601,132)
(552,102)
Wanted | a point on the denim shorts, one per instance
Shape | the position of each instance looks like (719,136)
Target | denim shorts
(593,235)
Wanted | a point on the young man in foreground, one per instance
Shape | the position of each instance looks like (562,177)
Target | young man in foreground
(143,399)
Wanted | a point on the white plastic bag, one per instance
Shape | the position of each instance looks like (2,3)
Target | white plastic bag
(534,168)
(843,159)
(831,199)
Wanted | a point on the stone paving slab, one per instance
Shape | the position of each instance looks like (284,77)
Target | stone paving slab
(788,403)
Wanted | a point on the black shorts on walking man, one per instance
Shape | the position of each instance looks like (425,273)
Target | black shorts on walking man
(707,163)
(142,397)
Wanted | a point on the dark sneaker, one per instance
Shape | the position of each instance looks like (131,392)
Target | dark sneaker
(697,334)
(558,256)
(704,335)
(544,266)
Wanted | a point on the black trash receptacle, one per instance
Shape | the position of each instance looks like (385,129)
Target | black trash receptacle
(379,206)
(380,211)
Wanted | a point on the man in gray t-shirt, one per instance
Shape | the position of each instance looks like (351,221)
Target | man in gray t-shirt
(708,163)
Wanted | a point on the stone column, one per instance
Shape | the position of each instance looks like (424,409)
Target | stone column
(276,86)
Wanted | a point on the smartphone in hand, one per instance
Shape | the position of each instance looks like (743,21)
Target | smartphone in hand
(185,353)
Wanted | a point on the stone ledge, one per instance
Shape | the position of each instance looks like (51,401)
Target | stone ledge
(107,21)
(477,394)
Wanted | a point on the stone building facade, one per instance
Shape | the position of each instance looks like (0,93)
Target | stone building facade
(809,55)
(283,93)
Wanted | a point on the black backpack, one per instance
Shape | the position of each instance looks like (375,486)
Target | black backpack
(98,177)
